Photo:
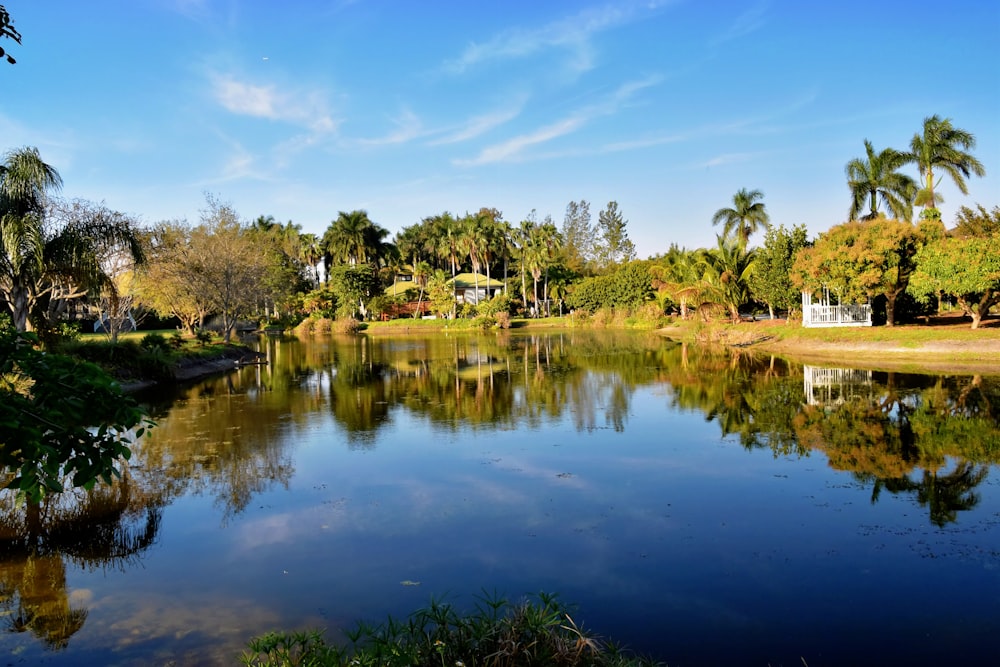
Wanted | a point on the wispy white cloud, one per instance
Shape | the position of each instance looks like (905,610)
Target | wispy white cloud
(305,108)
(747,22)
(513,150)
(480,125)
(727,158)
(407,128)
(572,34)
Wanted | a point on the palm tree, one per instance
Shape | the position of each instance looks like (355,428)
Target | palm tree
(311,254)
(24,181)
(679,277)
(944,147)
(41,268)
(446,231)
(876,180)
(551,240)
(473,240)
(745,217)
(727,269)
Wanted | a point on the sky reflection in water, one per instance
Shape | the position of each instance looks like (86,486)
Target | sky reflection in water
(684,499)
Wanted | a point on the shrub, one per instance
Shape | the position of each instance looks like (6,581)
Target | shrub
(503,320)
(176,340)
(154,341)
(204,336)
(346,325)
(483,322)
(500,303)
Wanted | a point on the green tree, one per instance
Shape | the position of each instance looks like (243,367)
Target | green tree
(771,280)
(875,179)
(746,216)
(945,147)
(967,268)
(354,286)
(614,246)
(861,260)
(224,264)
(7,30)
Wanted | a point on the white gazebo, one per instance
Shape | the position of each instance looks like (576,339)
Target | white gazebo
(825,314)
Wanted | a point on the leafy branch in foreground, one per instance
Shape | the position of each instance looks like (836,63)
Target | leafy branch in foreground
(60,419)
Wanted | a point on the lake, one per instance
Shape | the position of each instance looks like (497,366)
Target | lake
(703,506)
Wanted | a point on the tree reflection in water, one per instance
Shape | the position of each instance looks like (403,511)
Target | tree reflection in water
(108,527)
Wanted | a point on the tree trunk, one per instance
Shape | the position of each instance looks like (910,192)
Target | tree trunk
(20,306)
(890,310)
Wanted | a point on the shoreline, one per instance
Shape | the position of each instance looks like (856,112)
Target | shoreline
(944,347)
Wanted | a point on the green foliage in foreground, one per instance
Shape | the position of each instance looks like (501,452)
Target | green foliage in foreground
(533,632)
(60,419)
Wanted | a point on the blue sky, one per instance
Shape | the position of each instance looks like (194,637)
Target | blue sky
(406,109)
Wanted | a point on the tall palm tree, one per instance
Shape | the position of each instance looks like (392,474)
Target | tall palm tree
(25,181)
(942,146)
(473,240)
(745,217)
(447,233)
(875,180)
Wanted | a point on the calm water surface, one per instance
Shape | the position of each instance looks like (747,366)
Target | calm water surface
(699,506)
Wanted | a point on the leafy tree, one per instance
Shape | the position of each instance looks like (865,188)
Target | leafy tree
(286,274)
(875,179)
(771,281)
(101,250)
(745,217)
(224,265)
(59,419)
(578,236)
(861,260)
(942,146)
(967,268)
(628,287)
(354,286)
(7,30)
(614,246)
(980,223)
(163,283)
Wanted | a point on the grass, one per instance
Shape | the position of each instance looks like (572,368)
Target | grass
(143,355)
(498,633)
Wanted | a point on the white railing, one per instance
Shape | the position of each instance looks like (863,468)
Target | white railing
(846,315)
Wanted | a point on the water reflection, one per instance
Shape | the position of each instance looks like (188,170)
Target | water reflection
(894,432)
(238,438)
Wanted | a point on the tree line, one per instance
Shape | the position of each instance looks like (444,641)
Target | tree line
(56,254)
